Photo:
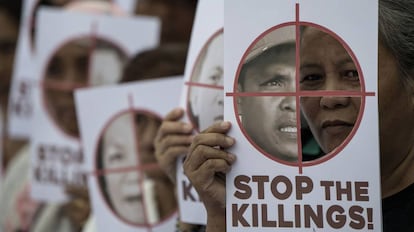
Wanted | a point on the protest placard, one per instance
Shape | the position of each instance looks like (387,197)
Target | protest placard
(202,95)
(128,189)
(21,101)
(300,91)
(74,50)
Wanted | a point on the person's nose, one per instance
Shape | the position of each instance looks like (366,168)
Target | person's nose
(132,176)
(69,76)
(218,97)
(332,82)
(288,104)
(330,102)
(74,78)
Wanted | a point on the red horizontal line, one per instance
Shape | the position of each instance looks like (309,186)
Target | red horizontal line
(197,84)
(301,93)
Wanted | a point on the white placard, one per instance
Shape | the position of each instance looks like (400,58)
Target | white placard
(116,151)
(292,68)
(21,94)
(202,94)
(74,50)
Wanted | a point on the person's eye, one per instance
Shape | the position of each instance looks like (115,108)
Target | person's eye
(116,157)
(311,81)
(351,75)
(54,70)
(276,81)
(215,78)
(311,78)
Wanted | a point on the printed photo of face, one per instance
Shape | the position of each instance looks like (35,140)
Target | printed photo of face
(270,121)
(206,99)
(79,63)
(133,185)
(325,65)
(123,188)
(66,71)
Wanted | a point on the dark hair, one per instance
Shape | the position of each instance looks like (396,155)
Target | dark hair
(162,61)
(13,8)
(396,32)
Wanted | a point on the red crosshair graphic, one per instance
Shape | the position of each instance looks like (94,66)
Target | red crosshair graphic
(67,70)
(298,93)
(67,86)
(142,165)
(57,84)
(197,80)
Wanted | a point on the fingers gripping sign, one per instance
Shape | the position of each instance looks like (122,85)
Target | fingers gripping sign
(172,140)
(207,161)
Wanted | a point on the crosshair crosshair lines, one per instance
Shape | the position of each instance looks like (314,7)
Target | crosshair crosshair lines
(300,93)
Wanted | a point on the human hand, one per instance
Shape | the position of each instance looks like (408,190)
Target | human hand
(173,140)
(78,207)
(206,165)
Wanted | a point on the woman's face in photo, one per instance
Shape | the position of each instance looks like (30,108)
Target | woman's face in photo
(131,173)
(208,100)
(66,71)
(325,65)
(119,153)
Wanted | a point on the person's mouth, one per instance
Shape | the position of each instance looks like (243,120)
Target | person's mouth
(132,194)
(288,124)
(336,126)
(289,129)
(133,198)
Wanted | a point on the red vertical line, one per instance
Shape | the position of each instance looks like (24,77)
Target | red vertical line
(94,28)
(298,121)
(140,172)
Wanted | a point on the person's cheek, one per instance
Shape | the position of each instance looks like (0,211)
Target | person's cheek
(356,105)
(267,106)
(305,106)
(114,183)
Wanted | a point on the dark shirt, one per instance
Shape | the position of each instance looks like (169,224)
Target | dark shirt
(398,211)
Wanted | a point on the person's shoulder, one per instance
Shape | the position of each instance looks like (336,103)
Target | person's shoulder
(398,211)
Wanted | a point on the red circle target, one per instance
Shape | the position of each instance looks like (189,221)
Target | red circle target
(299,94)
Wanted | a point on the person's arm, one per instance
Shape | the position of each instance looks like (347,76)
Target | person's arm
(205,166)
(172,141)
